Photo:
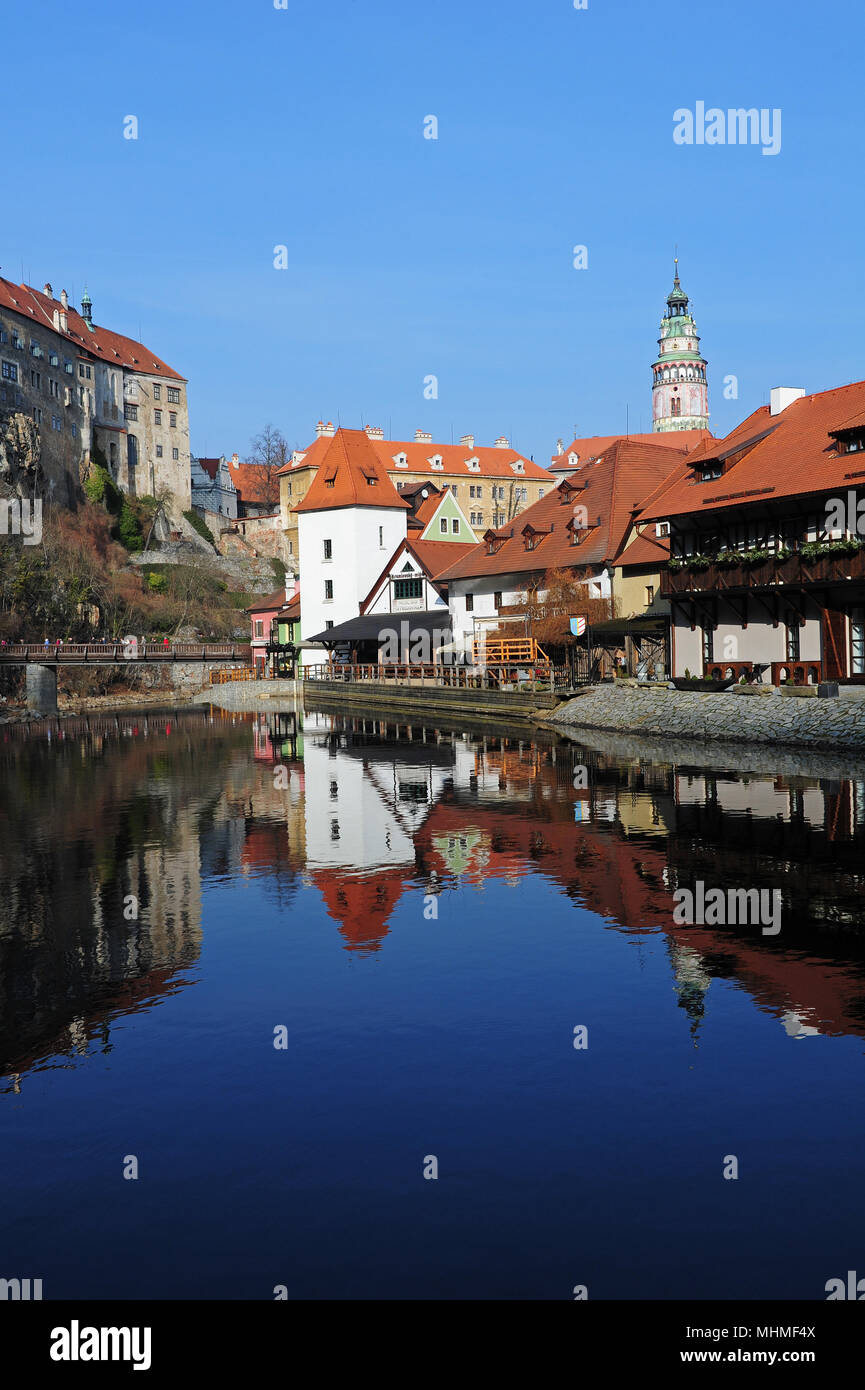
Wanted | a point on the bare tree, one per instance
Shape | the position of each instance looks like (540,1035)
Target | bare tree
(268,453)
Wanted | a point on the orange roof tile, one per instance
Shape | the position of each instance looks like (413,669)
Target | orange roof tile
(39,309)
(350,474)
(770,456)
(492,462)
(611,489)
(595,445)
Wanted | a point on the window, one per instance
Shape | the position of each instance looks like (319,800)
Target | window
(173,395)
(708,642)
(540,493)
(17,340)
(470,603)
(10,371)
(159,451)
(259,627)
(455,526)
(676,408)
(381,538)
(443,525)
(329,623)
(650,595)
(157,417)
(662,528)
(56,423)
(157,391)
(175,454)
(497,599)
(328,549)
(37,414)
(36,379)
(53,359)
(172,419)
(328,590)
(454,489)
(408,588)
(793,643)
(53,388)
(130,412)
(68,368)
(857,642)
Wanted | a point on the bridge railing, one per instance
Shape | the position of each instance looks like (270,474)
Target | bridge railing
(18,653)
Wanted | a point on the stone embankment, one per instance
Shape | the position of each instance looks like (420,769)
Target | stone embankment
(656,711)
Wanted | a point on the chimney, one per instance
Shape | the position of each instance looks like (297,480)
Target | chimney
(48,290)
(235,460)
(468,441)
(374,432)
(64,299)
(290,586)
(421,437)
(782,396)
(56,320)
(502,443)
(560,447)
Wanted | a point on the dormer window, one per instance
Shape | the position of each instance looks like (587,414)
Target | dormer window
(436,461)
(474,465)
(491,541)
(517,466)
(662,528)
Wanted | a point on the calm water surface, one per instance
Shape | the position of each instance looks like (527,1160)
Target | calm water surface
(423,916)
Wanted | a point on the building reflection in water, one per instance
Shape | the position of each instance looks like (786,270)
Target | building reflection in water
(103,812)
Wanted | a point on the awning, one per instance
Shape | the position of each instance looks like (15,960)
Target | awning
(376,627)
(616,629)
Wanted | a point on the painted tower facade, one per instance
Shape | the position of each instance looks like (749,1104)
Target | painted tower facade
(680,393)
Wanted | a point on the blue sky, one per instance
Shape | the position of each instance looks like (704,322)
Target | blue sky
(408,257)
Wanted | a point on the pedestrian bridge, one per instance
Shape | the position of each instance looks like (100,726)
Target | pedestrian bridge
(42,661)
(124,653)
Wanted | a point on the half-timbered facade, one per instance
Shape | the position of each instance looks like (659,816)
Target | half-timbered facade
(767,543)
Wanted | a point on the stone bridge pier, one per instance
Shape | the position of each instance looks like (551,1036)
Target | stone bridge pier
(42,689)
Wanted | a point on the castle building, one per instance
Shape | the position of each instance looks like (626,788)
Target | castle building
(92,394)
(680,394)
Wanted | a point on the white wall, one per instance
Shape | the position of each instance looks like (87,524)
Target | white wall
(359,556)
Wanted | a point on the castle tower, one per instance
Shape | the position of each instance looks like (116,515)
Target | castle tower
(680,394)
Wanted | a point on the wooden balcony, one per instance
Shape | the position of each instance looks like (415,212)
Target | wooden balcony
(768,574)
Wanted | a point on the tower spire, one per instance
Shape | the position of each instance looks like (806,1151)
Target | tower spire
(680,393)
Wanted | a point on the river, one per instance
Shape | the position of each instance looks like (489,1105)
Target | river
(339,1008)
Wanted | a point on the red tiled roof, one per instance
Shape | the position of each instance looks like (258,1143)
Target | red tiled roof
(645,549)
(311,456)
(437,556)
(254,482)
(492,462)
(210,466)
(269,602)
(786,455)
(39,309)
(598,444)
(350,474)
(610,489)
(427,509)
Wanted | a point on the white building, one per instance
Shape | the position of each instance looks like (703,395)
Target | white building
(350,522)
